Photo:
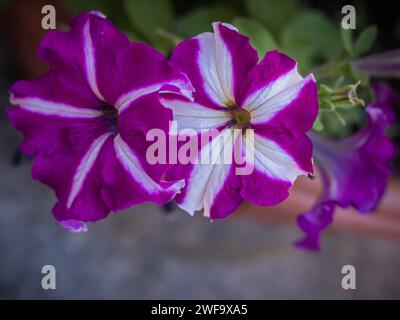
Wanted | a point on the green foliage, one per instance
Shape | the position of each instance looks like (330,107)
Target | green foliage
(315,41)
(318,125)
(274,14)
(109,8)
(259,36)
(347,40)
(358,75)
(365,40)
(149,18)
(311,38)
(200,19)
(362,44)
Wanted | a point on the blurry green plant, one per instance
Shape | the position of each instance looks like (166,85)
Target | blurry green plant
(317,42)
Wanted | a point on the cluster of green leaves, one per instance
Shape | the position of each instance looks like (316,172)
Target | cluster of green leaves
(309,36)
(312,38)
(157,21)
(337,116)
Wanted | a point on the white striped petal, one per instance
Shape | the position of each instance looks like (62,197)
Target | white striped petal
(224,63)
(85,166)
(127,98)
(207,180)
(49,108)
(215,64)
(265,93)
(271,160)
(124,101)
(278,102)
(90,61)
(191,115)
(132,165)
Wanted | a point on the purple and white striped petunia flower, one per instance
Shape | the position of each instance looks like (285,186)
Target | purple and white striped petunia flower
(85,120)
(234,91)
(354,170)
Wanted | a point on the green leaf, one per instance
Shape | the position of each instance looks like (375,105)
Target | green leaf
(274,14)
(339,117)
(148,18)
(200,19)
(324,90)
(131,35)
(109,8)
(259,36)
(358,75)
(172,37)
(347,39)
(338,82)
(326,104)
(318,125)
(312,39)
(365,40)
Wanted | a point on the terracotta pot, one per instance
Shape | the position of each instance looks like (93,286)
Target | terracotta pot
(384,222)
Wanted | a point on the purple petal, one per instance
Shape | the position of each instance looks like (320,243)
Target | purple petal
(314,222)
(264,190)
(386,64)
(354,170)
(385,99)
(126,182)
(74,225)
(204,181)
(223,69)
(243,56)
(75,120)
(275,72)
(228,199)
(216,63)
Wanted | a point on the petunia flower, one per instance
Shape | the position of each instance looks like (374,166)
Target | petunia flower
(385,99)
(386,64)
(234,91)
(86,119)
(354,170)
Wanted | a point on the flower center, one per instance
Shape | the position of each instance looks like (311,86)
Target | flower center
(110,116)
(242,116)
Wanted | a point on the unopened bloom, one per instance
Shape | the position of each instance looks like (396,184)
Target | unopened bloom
(354,170)
(386,64)
(86,119)
(234,91)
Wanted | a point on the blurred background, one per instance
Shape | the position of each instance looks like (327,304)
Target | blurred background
(149,252)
